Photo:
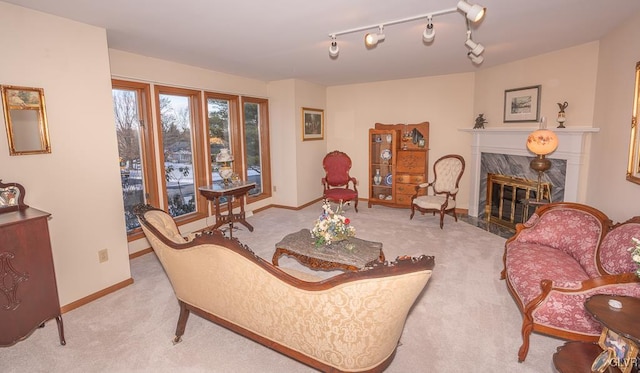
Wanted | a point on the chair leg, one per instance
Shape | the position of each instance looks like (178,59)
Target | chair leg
(527,328)
(182,322)
(441,219)
(413,211)
(355,205)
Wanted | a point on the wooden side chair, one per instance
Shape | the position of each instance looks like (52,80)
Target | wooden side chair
(339,186)
(447,172)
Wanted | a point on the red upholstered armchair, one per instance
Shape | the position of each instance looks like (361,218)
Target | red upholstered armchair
(337,179)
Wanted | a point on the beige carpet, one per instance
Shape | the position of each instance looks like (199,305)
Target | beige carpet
(465,320)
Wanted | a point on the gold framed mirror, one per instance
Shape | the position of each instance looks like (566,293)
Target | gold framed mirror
(25,118)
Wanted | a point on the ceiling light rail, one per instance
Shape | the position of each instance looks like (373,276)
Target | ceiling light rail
(473,12)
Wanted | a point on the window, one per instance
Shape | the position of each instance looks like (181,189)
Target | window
(223,130)
(167,173)
(181,151)
(135,149)
(256,146)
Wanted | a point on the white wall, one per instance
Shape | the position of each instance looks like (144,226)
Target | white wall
(309,154)
(79,182)
(609,191)
(282,121)
(565,75)
(446,102)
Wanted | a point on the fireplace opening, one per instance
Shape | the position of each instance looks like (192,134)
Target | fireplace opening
(511,200)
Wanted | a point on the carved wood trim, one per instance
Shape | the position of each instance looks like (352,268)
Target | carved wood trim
(10,280)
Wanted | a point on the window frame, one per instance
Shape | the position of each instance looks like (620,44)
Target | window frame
(265,152)
(234,129)
(143,91)
(198,155)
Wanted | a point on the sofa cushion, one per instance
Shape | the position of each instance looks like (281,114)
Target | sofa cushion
(565,311)
(575,232)
(614,250)
(527,264)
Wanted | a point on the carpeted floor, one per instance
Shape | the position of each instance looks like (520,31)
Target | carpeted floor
(464,321)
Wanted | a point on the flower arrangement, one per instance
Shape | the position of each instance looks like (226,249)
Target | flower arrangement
(332,226)
(635,254)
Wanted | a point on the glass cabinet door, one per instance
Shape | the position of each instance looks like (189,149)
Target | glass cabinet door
(382,153)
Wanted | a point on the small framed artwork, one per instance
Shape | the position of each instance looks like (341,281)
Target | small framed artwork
(622,351)
(522,104)
(312,124)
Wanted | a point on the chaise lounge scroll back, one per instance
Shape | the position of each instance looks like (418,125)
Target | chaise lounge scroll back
(351,322)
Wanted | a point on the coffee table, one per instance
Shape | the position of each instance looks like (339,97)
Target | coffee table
(352,254)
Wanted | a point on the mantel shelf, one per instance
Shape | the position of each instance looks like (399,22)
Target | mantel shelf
(530,129)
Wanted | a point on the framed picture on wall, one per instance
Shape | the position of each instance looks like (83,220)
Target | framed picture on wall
(522,104)
(312,124)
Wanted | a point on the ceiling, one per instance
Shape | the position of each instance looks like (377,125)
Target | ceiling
(289,39)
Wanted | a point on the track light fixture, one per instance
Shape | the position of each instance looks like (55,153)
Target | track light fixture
(475,59)
(333,48)
(371,40)
(429,33)
(475,48)
(473,13)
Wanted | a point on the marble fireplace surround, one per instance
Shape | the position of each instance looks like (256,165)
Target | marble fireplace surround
(572,147)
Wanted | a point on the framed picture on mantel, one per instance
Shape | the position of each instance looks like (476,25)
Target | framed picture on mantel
(522,104)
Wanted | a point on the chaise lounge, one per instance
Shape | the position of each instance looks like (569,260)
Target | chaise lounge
(565,253)
(350,322)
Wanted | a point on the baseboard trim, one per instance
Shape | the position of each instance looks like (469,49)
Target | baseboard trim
(140,253)
(90,298)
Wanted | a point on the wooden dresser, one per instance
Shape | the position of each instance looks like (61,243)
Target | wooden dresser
(28,292)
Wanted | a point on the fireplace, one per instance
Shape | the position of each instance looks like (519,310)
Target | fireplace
(505,148)
(517,168)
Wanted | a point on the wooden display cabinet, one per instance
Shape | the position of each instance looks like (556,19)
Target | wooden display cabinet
(407,166)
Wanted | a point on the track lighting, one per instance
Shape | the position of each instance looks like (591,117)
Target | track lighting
(474,12)
(429,33)
(333,48)
(475,48)
(371,40)
(475,59)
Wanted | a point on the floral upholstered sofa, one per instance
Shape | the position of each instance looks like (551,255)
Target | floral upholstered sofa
(351,322)
(565,253)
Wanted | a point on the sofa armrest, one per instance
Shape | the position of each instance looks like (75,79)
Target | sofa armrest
(561,305)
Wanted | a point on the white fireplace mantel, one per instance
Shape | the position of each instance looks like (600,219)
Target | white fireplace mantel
(571,147)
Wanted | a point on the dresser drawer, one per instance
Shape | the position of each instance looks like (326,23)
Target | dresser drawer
(410,179)
(406,188)
(403,199)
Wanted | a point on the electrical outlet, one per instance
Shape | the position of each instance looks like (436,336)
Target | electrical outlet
(274,188)
(103,255)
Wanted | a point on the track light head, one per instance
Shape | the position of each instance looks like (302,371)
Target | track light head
(477,60)
(371,40)
(474,12)
(333,48)
(429,32)
(475,48)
